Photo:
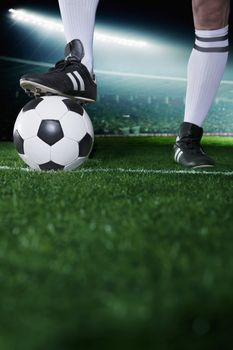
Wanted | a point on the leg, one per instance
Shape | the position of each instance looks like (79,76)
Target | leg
(72,77)
(205,71)
(210,14)
(78,17)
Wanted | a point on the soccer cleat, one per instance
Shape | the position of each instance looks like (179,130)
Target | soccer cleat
(188,150)
(68,78)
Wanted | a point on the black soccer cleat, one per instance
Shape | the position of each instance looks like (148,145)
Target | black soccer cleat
(68,78)
(188,150)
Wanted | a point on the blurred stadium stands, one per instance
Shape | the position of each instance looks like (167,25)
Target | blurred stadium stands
(126,105)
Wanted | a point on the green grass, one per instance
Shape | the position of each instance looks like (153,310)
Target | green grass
(117,260)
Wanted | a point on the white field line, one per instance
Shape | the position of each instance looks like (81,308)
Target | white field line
(133,171)
(104,72)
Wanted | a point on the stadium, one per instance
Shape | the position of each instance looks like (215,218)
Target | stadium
(130,251)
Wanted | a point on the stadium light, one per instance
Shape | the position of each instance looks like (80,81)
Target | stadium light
(56,26)
(40,21)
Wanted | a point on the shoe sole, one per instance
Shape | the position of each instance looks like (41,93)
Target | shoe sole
(36,90)
(202,166)
(196,166)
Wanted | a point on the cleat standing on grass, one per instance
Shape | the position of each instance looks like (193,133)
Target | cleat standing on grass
(68,78)
(188,150)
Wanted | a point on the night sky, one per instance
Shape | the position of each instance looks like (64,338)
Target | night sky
(163,23)
(159,19)
(160,16)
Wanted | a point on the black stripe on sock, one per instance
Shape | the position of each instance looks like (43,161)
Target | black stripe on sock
(211,49)
(209,40)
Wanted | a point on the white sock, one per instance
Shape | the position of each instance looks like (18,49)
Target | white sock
(78,17)
(205,71)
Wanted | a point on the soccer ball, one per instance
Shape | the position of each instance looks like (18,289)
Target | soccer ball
(53,133)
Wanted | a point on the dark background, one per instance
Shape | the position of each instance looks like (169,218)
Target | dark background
(172,20)
(174,17)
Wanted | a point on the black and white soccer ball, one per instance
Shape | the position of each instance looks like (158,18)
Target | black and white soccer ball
(53,133)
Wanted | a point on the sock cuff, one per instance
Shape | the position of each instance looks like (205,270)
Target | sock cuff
(212,40)
(212,33)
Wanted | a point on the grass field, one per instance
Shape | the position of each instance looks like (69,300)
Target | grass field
(129,252)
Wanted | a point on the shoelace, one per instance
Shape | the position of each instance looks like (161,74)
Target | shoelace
(62,64)
(193,144)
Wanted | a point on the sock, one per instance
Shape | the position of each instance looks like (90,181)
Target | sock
(205,71)
(78,17)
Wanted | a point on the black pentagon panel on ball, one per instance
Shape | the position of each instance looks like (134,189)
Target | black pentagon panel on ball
(32,104)
(51,166)
(73,106)
(50,131)
(19,142)
(85,146)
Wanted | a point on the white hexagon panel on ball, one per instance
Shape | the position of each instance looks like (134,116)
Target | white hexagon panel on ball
(65,151)
(37,150)
(51,107)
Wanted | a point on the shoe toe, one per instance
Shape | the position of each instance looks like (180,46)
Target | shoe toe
(31,77)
